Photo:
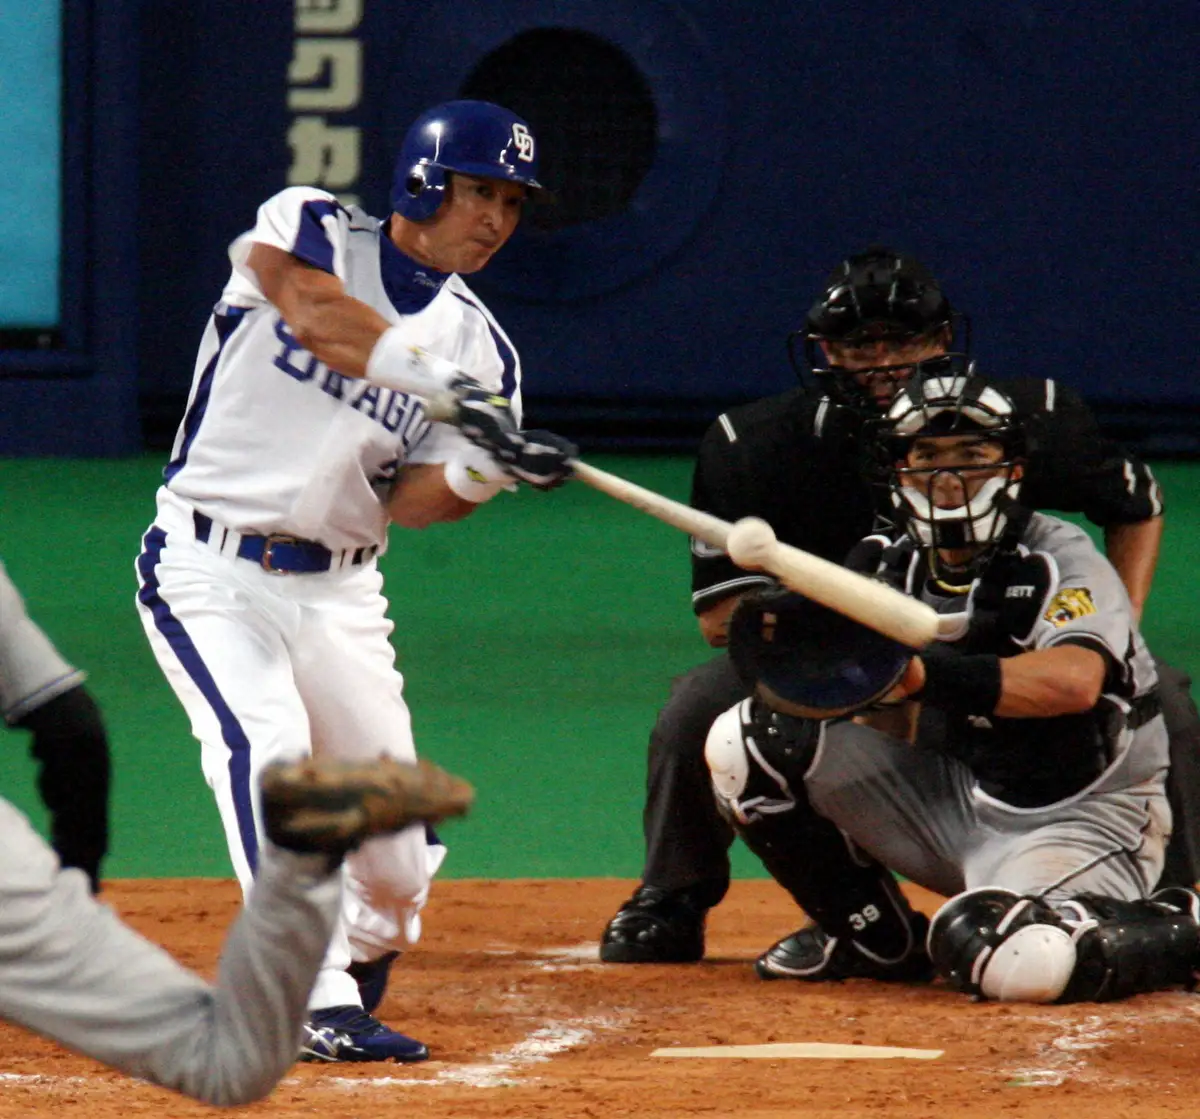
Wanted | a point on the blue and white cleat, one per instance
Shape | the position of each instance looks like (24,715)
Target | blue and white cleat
(349,1033)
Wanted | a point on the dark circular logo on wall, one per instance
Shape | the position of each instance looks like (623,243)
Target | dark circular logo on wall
(626,105)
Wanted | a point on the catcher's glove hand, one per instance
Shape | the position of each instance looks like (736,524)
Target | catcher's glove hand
(332,807)
(804,659)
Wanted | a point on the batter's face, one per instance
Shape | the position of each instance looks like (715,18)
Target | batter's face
(881,367)
(470,226)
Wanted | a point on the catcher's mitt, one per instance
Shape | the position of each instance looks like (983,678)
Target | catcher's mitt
(332,807)
(804,659)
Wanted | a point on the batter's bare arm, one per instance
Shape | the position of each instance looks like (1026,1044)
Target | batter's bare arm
(335,327)
(421,497)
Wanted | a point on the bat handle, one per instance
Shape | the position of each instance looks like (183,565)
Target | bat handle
(442,407)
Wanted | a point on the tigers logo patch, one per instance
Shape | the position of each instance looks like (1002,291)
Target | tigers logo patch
(1070,603)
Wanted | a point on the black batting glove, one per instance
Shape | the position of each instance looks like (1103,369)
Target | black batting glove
(540,458)
(544,461)
(486,418)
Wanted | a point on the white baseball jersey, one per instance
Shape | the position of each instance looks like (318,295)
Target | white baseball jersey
(273,440)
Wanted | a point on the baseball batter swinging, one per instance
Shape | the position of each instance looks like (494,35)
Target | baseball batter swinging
(259,589)
(1030,783)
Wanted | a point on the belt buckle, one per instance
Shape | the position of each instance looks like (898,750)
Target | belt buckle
(269,543)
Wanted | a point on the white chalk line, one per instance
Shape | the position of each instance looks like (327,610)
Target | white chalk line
(1064,1057)
(41,1080)
(501,1070)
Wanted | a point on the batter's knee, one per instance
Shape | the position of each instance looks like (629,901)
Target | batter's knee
(394,872)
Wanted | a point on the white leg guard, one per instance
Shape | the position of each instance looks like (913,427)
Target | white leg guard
(998,945)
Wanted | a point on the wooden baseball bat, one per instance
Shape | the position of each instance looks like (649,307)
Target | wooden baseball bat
(751,544)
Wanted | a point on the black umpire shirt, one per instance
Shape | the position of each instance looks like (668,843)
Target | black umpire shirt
(796,461)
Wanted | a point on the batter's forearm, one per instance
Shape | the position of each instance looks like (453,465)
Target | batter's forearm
(341,332)
(421,497)
(1133,550)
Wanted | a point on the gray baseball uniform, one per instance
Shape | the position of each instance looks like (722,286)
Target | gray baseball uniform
(949,811)
(69,969)
(32,671)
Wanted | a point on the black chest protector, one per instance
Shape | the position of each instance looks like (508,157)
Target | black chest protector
(1024,762)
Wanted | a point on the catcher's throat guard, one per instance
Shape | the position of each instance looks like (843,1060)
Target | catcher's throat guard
(804,659)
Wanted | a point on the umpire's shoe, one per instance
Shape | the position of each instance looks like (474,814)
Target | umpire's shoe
(349,1033)
(657,926)
(811,954)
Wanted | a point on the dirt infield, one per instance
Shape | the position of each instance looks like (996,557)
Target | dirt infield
(524,1021)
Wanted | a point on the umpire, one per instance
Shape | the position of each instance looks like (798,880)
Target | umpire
(800,461)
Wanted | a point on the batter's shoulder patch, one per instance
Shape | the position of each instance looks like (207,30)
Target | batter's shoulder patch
(1068,604)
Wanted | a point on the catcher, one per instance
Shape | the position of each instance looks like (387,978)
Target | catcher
(69,969)
(795,460)
(1016,766)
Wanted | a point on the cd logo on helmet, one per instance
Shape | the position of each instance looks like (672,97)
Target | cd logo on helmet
(523,139)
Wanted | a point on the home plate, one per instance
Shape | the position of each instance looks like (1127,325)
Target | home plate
(812,1049)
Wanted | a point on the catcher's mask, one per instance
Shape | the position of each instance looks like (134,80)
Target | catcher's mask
(804,659)
(877,298)
(945,506)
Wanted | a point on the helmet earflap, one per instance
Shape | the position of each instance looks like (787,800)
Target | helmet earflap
(424,191)
(471,137)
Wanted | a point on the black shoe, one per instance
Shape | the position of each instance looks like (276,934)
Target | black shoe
(656,927)
(810,954)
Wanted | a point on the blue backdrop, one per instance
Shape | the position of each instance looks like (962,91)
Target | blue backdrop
(1040,155)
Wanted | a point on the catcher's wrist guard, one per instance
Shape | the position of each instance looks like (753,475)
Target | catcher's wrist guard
(961,685)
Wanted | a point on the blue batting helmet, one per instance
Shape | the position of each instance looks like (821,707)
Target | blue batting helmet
(472,137)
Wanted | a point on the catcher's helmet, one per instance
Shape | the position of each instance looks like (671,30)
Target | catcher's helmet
(947,397)
(473,137)
(804,659)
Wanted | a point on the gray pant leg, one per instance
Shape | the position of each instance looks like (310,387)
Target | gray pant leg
(687,841)
(907,806)
(1107,843)
(70,970)
(917,812)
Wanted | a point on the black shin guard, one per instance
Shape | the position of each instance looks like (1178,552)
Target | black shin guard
(847,893)
(1129,947)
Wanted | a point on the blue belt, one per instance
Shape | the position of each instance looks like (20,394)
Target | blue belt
(282,554)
